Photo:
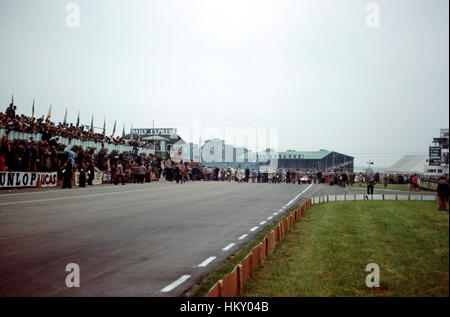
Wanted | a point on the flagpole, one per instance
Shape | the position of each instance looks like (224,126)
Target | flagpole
(32,111)
(114,128)
(65,117)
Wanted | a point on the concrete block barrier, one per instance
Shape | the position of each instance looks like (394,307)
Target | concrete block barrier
(379,197)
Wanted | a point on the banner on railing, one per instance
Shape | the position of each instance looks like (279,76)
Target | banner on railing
(98,178)
(48,179)
(27,179)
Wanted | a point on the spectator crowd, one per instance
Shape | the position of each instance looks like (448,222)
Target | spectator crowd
(49,155)
(12,121)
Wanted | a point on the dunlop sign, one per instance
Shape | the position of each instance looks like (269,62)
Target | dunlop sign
(27,179)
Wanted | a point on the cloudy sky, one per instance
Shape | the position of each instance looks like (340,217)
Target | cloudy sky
(314,69)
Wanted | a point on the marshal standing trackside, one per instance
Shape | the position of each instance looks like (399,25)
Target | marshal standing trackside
(226,307)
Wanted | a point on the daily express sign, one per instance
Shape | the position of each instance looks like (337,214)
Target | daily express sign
(155,131)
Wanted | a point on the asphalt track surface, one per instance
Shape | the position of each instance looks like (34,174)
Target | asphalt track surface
(156,239)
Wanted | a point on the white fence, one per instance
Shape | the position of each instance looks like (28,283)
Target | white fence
(84,144)
(330,198)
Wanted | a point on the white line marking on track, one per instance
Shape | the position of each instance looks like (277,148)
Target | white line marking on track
(207,261)
(89,189)
(178,282)
(89,195)
(243,236)
(253,229)
(228,247)
(262,222)
(295,198)
(275,213)
(269,217)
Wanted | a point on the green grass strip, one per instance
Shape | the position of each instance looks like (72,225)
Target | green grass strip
(326,252)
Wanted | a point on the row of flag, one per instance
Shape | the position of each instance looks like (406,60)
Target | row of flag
(49,113)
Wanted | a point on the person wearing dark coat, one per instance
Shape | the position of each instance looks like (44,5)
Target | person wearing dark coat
(67,174)
(91,172)
(247,174)
(177,174)
(370,184)
(442,193)
(82,178)
(113,174)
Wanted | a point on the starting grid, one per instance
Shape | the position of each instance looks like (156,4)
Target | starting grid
(330,198)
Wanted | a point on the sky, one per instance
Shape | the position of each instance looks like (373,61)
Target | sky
(325,74)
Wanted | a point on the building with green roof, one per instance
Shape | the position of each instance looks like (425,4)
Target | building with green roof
(228,155)
(323,160)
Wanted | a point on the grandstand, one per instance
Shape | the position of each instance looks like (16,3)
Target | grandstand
(408,164)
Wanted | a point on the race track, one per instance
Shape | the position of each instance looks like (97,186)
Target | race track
(155,239)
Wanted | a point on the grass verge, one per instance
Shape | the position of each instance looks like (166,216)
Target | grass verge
(325,254)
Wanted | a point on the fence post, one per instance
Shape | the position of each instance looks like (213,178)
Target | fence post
(250,264)
(239,279)
(220,288)
(260,254)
